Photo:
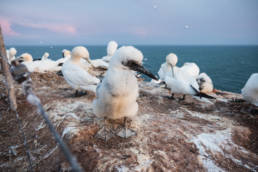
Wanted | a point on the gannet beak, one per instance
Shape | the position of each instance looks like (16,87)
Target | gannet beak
(20,59)
(139,68)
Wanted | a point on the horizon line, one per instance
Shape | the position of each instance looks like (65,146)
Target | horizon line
(133,44)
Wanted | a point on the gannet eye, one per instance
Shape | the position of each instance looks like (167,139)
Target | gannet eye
(202,80)
(131,64)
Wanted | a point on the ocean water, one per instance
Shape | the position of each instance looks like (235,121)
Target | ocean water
(228,66)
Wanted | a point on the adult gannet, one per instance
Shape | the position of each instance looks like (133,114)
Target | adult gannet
(166,68)
(250,90)
(75,74)
(66,54)
(205,83)
(27,60)
(96,63)
(118,91)
(184,83)
(40,66)
(111,49)
(45,56)
(11,54)
(99,63)
(191,68)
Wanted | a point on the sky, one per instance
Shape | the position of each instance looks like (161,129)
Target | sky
(142,22)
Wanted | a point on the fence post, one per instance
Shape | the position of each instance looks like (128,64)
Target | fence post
(7,74)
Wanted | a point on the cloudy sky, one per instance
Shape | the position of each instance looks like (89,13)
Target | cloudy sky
(93,22)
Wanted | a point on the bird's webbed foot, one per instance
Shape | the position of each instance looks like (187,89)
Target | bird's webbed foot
(125,132)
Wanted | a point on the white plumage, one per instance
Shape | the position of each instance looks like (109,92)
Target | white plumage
(191,69)
(75,74)
(181,79)
(111,49)
(182,83)
(66,54)
(99,63)
(117,94)
(40,66)
(166,68)
(205,83)
(11,54)
(28,61)
(45,56)
(250,90)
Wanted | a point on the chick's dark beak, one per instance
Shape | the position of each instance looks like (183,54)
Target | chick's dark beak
(139,68)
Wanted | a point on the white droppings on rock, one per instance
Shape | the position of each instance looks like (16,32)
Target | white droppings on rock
(204,100)
(122,169)
(40,126)
(70,131)
(219,142)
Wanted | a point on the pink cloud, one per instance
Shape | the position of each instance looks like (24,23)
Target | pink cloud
(59,28)
(6,27)
(140,31)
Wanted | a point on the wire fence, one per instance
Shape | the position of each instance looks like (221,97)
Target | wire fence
(22,76)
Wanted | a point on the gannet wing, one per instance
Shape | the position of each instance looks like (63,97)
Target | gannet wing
(99,63)
(78,76)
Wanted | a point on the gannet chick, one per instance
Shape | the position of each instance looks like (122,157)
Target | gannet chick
(111,49)
(166,68)
(205,83)
(191,69)
(11,54)
(250,90)
(74,73)
(45,56)
(118,91)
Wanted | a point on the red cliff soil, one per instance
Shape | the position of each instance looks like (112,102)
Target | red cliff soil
(191,135)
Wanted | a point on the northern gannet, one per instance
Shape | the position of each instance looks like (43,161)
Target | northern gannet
(183,81)
(250,90)
(45,56)
(205,83)
(166,68)
(11,54)
(75,73)
(191,69)
(40,66)
(66,54)
(118,91)
(111,49)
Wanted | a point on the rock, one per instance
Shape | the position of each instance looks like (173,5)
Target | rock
(191,135)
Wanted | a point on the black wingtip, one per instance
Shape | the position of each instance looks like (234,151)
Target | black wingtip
(204,95)
(199,94)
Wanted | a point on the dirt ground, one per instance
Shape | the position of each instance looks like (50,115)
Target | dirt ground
(172,135)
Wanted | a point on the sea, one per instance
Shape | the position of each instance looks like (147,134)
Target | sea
(228,66)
